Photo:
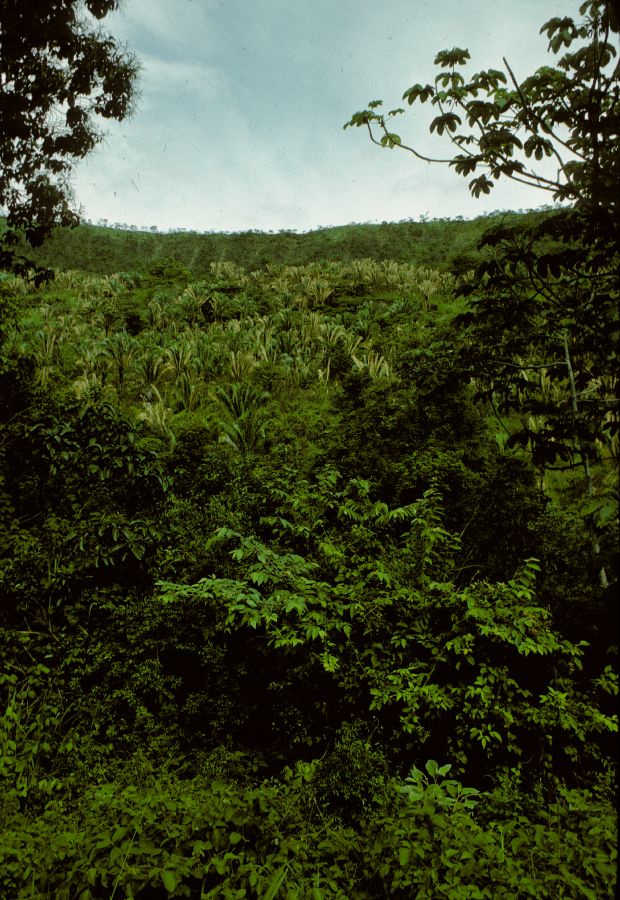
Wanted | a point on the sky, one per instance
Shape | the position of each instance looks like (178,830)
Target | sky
(238,123)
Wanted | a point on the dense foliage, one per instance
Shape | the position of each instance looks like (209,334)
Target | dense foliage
(544,311)
(308,563)
(60,76)
(440,244)
(264,561)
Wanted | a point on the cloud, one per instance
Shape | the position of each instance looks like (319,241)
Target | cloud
(159,24)
(243,101)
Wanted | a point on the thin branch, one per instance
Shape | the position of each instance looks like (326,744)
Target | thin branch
(427,159)
(499,418)
(530,180)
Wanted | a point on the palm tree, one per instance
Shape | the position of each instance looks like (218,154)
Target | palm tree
(228,271)
(121,348)
(375,364)
(431,282)
(312,327)
(89,387)
(316,289)
(151,366)
(181,359)
(364,322)
(46,354)
(157,415)
(189,390)
(241,365)
(351,342)
(69,279)
(391,272)
(332,333)
(206,358)
(15,284)
(92,360)
(365,272)
(243,422)
(288,341)
(192,300)
(266,341)
(103,313)
(156,316)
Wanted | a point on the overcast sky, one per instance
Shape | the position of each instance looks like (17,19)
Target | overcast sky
(239,120)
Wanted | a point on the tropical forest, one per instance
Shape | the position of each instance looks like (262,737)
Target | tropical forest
(309,542)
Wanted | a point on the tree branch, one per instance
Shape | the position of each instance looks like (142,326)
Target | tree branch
(537,121)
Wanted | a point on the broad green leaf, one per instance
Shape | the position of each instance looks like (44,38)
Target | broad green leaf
(404,855)
(431,767)
(169,879)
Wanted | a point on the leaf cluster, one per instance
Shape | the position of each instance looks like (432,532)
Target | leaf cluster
(59,76)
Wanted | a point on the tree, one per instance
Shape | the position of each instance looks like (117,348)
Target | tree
(121,348)
(544,302)
(568,112)
(60,74)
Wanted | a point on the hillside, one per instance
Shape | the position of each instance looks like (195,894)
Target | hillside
(290,608)
(440,244)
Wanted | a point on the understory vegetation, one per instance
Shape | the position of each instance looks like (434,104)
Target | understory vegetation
(290,608)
